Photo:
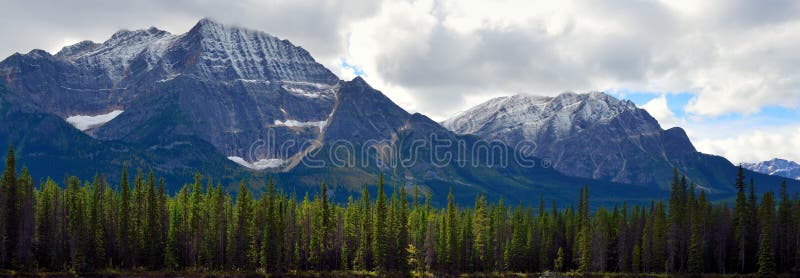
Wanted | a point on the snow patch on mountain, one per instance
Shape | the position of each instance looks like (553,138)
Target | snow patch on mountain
(83,122)
(776,167)
(261,164)
(309,90)
(295,123)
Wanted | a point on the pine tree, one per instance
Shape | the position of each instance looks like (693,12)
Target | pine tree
(363,259)
(786,231)
(76,225)
(558,265)
(196,221)
(24,258)
(766,250)
(402,233)
(272,232)
(636,258)
(480,230)
(380,235)
(8,209)
(742,221)
(96,250)
(47,249)
(659,238)
(174,257)
(585,234)
(242,230)
(697,244)
(677,224)
(451,232)
(125,225)
(753,239)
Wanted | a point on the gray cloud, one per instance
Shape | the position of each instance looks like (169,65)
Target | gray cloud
(320,26)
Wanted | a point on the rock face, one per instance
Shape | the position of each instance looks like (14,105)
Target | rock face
(776,167)
(230,86)
(593,136)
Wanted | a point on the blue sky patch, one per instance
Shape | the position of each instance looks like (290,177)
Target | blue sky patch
(356,69)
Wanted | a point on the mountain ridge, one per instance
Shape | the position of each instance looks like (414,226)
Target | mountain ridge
(594,135)
(776,167)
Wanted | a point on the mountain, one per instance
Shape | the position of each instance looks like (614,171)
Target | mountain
(235,103)
(236,85)
(232,102)
(596,136)
(776,167)
(413,150)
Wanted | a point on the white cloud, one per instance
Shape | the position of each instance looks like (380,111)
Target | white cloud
(755,146)
(659,109)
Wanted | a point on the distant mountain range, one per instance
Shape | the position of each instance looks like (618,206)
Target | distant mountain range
(231,102)
(776,167)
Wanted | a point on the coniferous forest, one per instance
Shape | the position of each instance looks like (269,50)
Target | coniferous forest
(94,225)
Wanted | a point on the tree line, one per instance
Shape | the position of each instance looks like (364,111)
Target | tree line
(135,225)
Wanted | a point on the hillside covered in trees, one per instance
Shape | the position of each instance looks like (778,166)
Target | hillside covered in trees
(95,225)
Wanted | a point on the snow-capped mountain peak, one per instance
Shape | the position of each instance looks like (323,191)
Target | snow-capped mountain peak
(209,50)
(776,167)
(566,113)
(590,135)
(115,55)
(232,52)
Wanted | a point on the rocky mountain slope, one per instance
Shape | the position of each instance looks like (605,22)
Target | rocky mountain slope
(236,85)
(595,136)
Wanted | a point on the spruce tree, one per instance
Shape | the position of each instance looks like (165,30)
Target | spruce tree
(451,233)
(363,259)
(742,221)
(380,235)
(402,233)
(76,225)
(125,226)
(24,258)
(585,234)
(8,209)
(480,230)
(786,231)
(242,229)
(697,244)
(766,249)
(659,239)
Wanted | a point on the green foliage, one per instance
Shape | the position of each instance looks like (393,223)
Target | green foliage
(91,226)
(766,250)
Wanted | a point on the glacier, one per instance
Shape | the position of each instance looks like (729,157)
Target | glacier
(84,123)
(261,164)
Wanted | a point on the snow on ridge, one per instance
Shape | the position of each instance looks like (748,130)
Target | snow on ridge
(261,164)
(302,92)
(115,55)
(295,123)
(83,122)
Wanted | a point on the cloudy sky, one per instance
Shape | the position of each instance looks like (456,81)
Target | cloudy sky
(728,71)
